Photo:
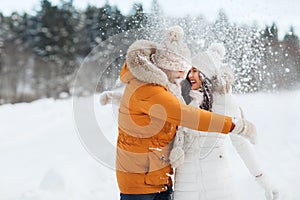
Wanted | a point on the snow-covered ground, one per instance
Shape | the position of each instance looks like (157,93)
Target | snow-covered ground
(42,158)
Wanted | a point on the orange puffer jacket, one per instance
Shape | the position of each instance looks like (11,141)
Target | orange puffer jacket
(148,117)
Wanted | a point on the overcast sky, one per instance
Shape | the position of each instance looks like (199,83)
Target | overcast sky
(284,12)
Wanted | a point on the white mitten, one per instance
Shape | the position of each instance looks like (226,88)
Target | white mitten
(110,96)
(196,96)
(104,98)
(271,192)
(245,128)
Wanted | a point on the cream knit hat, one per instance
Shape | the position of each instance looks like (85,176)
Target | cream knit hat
(172,53)
(211,64)
(210,61)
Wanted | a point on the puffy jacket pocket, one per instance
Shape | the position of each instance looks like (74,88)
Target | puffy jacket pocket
(158,158)
(159,167)
(159,177)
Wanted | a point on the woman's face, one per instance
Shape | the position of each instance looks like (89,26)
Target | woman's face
(195,79)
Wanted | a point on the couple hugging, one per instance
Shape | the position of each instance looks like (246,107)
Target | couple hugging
(174,115)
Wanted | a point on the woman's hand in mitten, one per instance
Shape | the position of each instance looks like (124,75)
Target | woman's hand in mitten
(246,129)
(271,192)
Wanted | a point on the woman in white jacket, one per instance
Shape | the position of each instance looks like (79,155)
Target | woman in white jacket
(202,170)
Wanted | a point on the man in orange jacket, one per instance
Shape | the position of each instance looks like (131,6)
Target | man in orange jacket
(150,112)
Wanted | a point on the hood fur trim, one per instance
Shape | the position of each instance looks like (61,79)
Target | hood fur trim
(139,62)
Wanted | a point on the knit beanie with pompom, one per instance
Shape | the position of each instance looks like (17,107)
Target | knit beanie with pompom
(210,61)
(172,53)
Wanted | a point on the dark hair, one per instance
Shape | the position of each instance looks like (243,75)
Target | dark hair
(206,90)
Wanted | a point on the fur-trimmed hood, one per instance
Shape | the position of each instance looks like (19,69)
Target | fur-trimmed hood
(139,62)
(140,66)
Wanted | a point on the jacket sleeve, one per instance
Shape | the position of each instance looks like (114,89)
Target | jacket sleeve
(247,154)
(166,106)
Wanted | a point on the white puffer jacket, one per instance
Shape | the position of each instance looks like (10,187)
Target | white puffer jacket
(203,173)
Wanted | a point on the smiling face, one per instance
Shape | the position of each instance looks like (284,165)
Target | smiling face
(195,79)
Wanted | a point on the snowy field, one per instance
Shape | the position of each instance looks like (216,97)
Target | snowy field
(42,158)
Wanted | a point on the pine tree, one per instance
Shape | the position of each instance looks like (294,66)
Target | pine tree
(90,30)
(137,17)
(16,44)
(274,33)
(2,33)
(156,8)
(1,41)
(155,22)
(111,22)
(275,59)
(291,50)
(56,41)
(243,51)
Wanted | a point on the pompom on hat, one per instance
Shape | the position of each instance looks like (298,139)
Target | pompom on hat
(172,53)
(211,64)
(210,61)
